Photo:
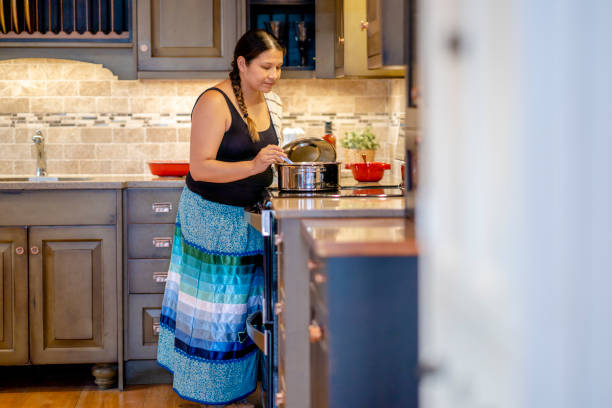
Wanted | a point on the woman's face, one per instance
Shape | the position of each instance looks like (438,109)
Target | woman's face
(263,71)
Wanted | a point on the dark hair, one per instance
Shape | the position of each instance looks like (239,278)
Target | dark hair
(249,46)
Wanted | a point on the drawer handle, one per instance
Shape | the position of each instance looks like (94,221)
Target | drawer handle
(162,242)
(162,207)
(156,328)
(160,277)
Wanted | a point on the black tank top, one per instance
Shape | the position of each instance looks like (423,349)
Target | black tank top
(236,146)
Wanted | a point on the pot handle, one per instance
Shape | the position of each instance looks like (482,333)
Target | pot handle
(386,166)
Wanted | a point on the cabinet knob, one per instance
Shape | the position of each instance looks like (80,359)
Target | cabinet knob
(278,308)
(144,47)
(340,40)
(19,250)
(364,25)
(312,265)
(319,278)
(279,398)
(315,332)
(34,250)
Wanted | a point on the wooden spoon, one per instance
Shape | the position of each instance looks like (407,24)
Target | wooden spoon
(2,22)
(365,159)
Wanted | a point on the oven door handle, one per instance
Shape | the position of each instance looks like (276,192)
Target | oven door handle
(259,337)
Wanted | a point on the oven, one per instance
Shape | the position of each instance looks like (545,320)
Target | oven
(262,326)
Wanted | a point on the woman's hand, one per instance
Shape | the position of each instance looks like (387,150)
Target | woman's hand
(268,155)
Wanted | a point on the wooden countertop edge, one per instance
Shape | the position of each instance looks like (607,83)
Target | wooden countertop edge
(329,248)
(332,250)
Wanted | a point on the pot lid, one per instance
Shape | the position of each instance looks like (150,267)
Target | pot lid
(310,149)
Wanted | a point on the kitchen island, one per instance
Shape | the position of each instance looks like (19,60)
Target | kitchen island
(292,250)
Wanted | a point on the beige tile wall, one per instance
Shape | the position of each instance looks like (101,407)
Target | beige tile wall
(116,126)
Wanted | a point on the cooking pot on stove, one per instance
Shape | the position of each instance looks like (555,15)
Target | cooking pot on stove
(308,176)
(314,166)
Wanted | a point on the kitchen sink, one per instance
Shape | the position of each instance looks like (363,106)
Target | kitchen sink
(42,179)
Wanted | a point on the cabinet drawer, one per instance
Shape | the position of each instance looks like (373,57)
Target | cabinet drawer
(152,206)
(58,207)
(147,275)
(144,312)
(150,240)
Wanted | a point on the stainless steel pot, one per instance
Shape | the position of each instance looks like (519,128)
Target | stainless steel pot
(308,176)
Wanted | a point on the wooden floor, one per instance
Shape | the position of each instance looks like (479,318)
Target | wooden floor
(136,396)
(72,386)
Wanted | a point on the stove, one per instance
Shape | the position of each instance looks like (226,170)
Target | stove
(343,192)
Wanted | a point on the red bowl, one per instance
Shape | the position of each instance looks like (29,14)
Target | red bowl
(370,171)
(169,168)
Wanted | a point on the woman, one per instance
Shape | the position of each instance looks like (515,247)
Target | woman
(215,278)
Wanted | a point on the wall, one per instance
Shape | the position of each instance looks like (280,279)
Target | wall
(96,124)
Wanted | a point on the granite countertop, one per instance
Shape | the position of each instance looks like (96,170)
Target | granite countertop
(361,237)
(95,182)
(349,207)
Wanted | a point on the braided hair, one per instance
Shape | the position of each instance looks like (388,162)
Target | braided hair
(250,45)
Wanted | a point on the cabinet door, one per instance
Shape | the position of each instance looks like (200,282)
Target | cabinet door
(385,33)
(373,13)
(13,297)
(187,35)
(339,49)
(73,294)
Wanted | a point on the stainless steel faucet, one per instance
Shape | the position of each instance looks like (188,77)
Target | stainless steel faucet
(41,157)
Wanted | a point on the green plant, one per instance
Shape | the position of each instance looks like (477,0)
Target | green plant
(359,139)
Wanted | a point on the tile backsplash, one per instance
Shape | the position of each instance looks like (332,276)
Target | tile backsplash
(97,124)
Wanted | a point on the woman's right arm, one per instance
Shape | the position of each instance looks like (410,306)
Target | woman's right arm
(209,121)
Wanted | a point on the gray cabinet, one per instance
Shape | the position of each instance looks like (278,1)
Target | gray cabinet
(149,229)
(187,38)
(363,332)
(59,277)
(73,296)
(13,296)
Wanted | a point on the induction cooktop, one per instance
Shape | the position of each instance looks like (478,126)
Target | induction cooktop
(343,192)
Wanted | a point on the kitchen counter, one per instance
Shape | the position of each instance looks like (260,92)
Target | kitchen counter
(345,207)
(361,237)
(304,207)
(94,182)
